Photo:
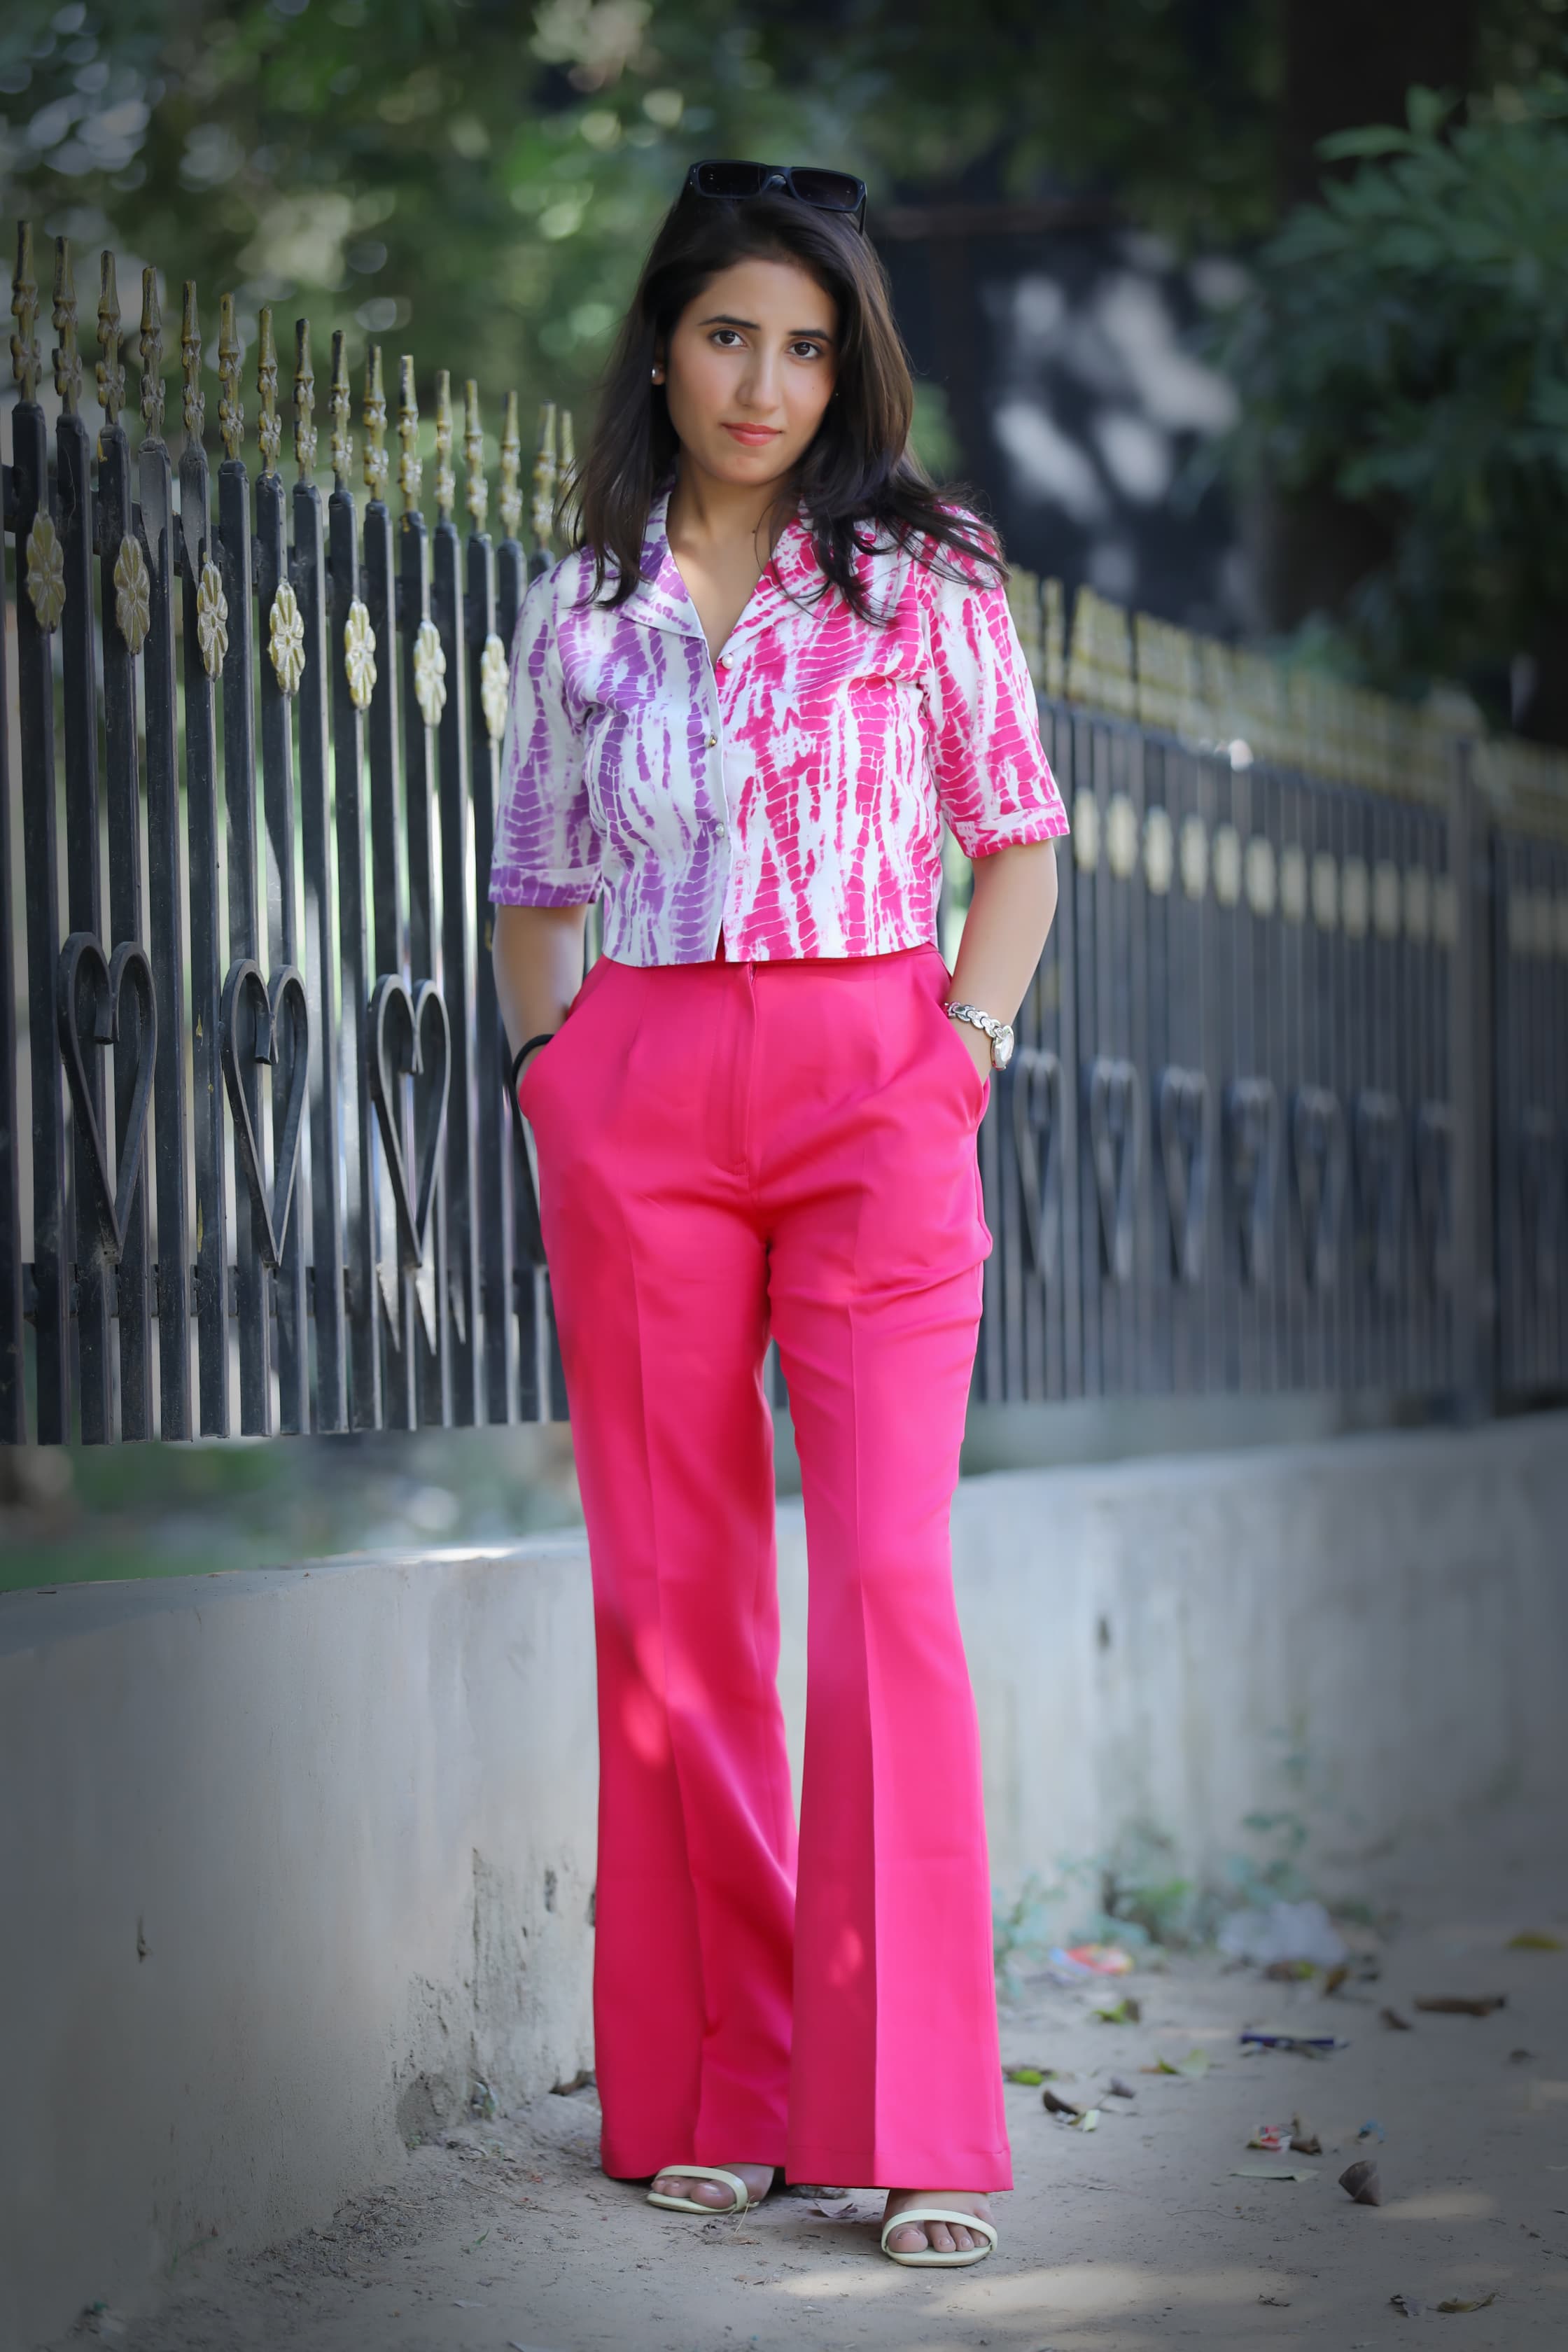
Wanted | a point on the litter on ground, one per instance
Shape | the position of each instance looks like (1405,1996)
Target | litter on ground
(1285,1931)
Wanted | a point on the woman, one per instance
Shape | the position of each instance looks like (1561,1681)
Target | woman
(740,710)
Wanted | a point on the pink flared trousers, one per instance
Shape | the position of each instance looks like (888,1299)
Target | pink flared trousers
(725,1150)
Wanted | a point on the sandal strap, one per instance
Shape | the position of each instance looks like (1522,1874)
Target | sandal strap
(919,2214)
(730,2180)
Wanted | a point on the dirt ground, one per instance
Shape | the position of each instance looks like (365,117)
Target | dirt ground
(1145,2233)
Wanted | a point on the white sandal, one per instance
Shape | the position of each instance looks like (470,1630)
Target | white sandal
(732,2181)
(927,2257)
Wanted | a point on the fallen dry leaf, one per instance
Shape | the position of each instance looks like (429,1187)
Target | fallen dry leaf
(1455,2004)
(1397,2024)
(1457,2303)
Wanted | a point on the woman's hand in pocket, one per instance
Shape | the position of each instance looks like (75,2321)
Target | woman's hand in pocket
(978,1044)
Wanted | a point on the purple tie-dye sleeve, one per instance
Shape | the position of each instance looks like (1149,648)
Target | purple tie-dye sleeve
(546,848)
(994,782)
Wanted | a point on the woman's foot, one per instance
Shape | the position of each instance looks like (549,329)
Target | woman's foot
(758,2178)
(941,2237)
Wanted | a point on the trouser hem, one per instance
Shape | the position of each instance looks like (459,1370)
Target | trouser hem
(619,2167)
(976,2170)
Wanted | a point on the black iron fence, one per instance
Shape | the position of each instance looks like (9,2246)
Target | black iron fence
(1291,1109)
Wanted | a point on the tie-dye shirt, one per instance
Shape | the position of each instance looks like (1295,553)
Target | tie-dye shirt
(789,794)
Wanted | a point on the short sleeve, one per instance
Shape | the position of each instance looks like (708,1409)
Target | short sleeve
(994,782)
(546,849)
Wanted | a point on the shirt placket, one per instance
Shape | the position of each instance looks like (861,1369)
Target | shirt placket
(714,747)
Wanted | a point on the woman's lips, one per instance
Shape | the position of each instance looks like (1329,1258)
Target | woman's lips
(753,436)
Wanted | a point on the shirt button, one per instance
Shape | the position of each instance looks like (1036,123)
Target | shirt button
(712,743)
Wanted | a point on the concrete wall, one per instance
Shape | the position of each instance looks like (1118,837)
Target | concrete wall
(288,1858)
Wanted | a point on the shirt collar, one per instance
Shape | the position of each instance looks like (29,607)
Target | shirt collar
(661,597)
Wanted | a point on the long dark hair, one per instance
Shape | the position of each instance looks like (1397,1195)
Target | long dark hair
(858,481)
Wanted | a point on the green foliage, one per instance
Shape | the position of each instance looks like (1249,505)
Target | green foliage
(476,182)
(1407,341)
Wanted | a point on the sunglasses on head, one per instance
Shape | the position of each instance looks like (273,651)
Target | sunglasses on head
(827,192)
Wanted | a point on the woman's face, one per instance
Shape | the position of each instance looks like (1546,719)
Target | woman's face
(749,371)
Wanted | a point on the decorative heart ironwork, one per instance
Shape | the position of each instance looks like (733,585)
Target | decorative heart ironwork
(245,980)
(1318,1163)
(414,1011)
(1252,1120)
(1434,1191)
(1035,1081)
(1115,1137)
(1377,1131)
(1182,1109)
(81,954)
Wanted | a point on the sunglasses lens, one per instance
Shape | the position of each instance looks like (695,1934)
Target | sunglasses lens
(834,191)
(731,179)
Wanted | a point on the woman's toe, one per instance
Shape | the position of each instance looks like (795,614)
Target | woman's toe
(908,2238)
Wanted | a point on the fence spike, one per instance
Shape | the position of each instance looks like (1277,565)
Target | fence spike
(150,347)
(542,512)
(377,463)
(269,426)
(410,472)
(68,357)
(446,480)
(304,401)
(195,406)
(342,441)
(110,372)
(231,406)
(26,362)
(511,500)
(477,496)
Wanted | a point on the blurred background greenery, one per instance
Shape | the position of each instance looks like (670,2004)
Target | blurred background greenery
(475,182)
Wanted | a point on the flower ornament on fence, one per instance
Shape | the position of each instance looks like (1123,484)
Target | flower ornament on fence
(46,573)
(359,655)
(1122,836)
(132,595)
(493,686)
(429,673)
(212,618)
(286,639)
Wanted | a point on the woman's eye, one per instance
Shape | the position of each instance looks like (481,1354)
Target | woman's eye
(808,351)
(726,338)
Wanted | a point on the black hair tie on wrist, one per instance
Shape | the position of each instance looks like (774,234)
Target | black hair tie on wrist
(524,1051)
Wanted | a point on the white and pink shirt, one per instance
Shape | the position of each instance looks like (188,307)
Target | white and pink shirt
(789,795)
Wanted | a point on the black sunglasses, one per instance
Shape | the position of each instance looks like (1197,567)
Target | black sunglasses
(827,192)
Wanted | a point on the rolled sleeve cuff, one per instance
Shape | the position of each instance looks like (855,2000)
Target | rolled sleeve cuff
(509,887)
(1009,832)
